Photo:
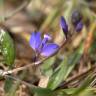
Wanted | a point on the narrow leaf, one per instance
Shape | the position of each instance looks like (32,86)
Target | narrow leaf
(64,69)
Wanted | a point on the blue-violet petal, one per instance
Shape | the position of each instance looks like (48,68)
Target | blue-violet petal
(35,40)
(76,17)
(49,49)
(79,26)
(64,25)
(46,39)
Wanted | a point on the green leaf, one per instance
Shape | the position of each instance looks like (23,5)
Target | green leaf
(42,91)
(54,82)
(47,66)
(88,92)
(7,47)
(65,68)
(11,87)
(61,93)
(74,59)
(48,63)
(8,84)
(84,85)
(69,90)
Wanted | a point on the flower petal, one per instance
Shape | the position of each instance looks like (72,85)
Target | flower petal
(35,40)
(49,49)
(47,36)
(79,26)
(64,25)
(46,39)
(76,17)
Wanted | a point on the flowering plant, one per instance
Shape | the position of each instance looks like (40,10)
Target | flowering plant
(42,46)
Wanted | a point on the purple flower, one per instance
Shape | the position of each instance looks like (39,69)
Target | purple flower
(79,26)
(76,17)
(42,46)
(64,25)
(77,20)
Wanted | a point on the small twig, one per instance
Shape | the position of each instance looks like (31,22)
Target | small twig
(21,7)
(21,68)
